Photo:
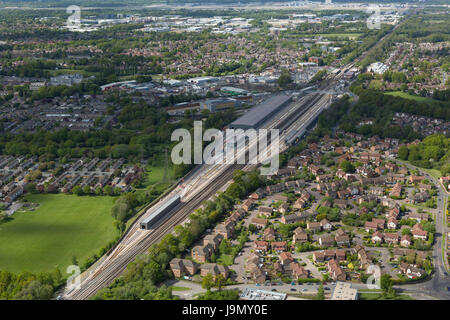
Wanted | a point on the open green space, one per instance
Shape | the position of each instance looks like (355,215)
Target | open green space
(63,226)
(433,172)
(405,95)
(377,296)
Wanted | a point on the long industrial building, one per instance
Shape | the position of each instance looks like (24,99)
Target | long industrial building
(168,205)
(261,113)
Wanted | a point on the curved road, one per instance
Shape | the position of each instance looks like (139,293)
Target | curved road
(437,286)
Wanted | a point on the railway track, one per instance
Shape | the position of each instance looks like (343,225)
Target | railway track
(121,260)
(137,241)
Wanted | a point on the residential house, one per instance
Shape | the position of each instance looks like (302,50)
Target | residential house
(335,270)
(313,226)
(183,266)
(391,238)
(377,237)
(405,241)
(202,253)
(269,234)
(325,225)
(258,222)
(326,241)
(299,236)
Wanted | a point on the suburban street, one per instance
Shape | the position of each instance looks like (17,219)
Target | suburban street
(439,283)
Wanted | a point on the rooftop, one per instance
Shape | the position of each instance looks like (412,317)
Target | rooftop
(261,112)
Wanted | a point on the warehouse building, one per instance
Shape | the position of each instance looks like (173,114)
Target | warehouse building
(214,105)
(261,113)
(233,91)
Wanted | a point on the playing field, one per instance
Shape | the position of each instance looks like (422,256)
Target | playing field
(62,227)
(405,95)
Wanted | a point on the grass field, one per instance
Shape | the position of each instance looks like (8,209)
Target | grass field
(62,227)
(341,35)
(405,95)
(155,174)
(433,172)
(377,296)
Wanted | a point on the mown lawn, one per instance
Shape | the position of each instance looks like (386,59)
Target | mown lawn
(377,296)
(405,95)
(63,226)
(433,172)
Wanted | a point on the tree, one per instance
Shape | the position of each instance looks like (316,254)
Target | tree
(35,290)
(403,153)
(208,282)
(108,190)
(77,190)
(284,79)
(31,187)
(86,189)
(386,285)
(98,191)
(347,166)
(320,293)
(220,281)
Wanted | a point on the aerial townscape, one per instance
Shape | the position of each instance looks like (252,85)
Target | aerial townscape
(349,198)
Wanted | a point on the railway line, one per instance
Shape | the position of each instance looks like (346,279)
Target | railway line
(136,241)
(123,256)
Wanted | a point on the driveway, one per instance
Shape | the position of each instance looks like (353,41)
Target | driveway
(303,256)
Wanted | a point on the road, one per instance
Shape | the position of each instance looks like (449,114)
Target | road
(440,281)
(196,288)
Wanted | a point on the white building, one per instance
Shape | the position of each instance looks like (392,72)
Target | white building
(377,67)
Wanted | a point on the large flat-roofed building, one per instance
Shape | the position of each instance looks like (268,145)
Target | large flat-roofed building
(344,291)
(162,210)
(261,113)
(214,105)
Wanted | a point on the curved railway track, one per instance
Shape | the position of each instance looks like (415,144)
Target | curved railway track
(119,260)
(137,241)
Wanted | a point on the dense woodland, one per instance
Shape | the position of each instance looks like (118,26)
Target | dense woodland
(432,152)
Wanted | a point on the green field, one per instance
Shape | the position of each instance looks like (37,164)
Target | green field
(155,174)
(377,296)
(405,95)
(62,227)
(433,172)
